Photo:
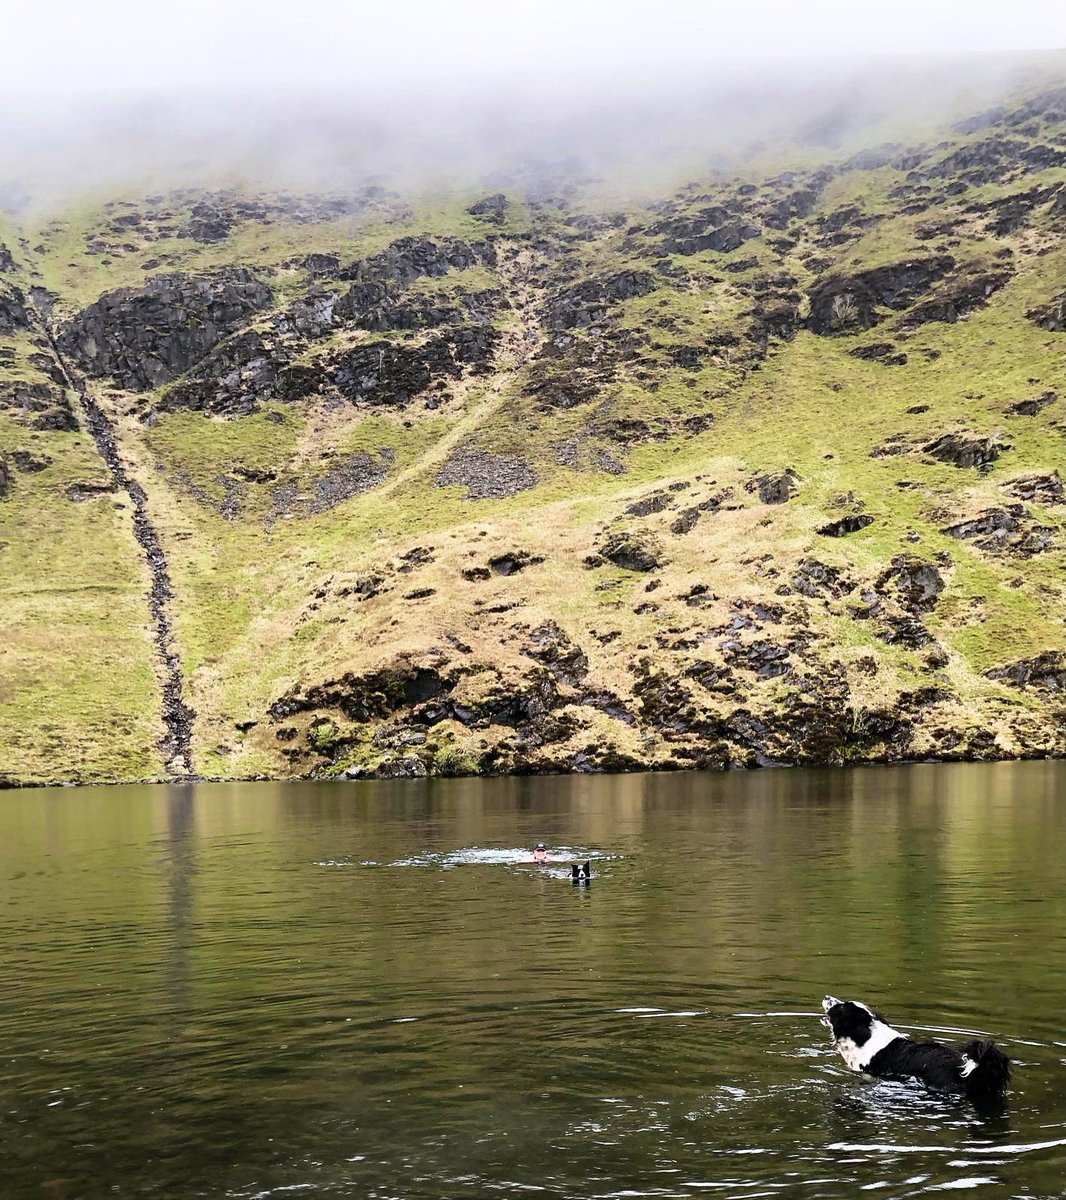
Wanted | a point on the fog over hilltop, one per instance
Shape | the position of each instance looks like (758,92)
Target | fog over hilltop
(513,95)
(632,130)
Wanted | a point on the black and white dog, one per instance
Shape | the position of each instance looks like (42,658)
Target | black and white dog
(980,1071)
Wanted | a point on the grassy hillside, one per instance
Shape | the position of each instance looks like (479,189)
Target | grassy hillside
(764,471)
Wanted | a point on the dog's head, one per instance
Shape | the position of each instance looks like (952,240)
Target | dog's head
(858,1032)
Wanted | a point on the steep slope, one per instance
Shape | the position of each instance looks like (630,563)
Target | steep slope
(765,472)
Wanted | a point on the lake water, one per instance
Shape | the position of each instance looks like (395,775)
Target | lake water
(359,989)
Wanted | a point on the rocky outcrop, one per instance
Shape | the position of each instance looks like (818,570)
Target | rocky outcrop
(373,695)
(493,208)
(1043,673)
(915,584)
(394,373)
(848,303)
(232,379)
(632,550)
(717,228)
(882,352)
(588,302)
(1032,406)
(146,337)
(964,450)
(14,313)
(569,370)
(39,406)
(958,297)
(819,580)
(1044,489)
(845,525)
(990,160)
(776,488)
(1050,316)
(411,258)
(1009,530)
(549,645)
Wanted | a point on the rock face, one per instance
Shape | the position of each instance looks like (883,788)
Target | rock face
(588,302)
(848,303)
(392,373)
(13,311)
(146,337)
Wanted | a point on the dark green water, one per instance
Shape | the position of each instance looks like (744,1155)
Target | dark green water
(353,990)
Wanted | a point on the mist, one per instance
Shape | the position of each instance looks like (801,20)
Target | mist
(528,96)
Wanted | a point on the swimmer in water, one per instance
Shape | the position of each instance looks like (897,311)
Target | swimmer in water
(579,871)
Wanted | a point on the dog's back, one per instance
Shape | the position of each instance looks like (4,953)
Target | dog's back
(979,1070)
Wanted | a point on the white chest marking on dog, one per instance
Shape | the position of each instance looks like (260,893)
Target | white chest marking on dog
(858,1057)
(969,1067)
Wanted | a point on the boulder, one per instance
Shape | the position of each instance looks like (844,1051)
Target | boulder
(845,525)
(632,550)
(774,488)
(1030,408)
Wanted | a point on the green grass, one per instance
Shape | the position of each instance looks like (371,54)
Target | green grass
(78,697)
(260,599)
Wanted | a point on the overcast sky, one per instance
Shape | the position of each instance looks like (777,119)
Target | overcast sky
(64,47)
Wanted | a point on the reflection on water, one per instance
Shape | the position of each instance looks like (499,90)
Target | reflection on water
(367,989)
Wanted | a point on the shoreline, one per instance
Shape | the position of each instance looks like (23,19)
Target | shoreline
(192,780)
